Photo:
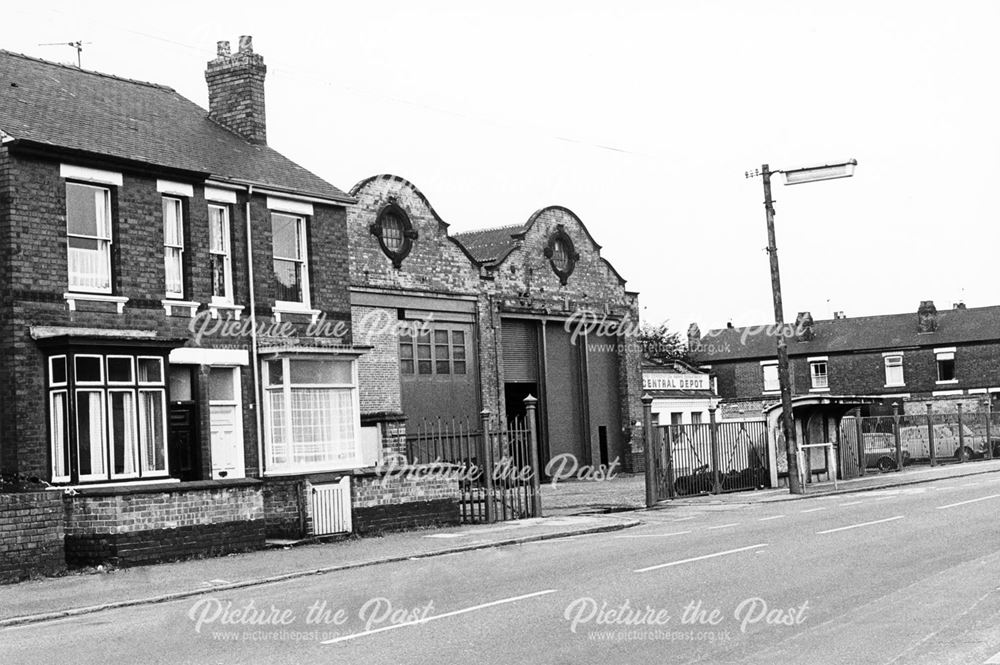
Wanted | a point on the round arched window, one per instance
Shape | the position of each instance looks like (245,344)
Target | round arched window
(561,254)
(395,233)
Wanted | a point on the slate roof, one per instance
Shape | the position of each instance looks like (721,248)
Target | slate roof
(490,246)
(66,107)
(864,333)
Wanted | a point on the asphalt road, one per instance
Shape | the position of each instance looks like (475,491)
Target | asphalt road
(908,575)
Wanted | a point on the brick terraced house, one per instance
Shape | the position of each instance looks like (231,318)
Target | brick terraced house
(175,320)
(501,303)
(945,358)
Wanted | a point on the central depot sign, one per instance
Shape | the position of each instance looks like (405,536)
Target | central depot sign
(675,382)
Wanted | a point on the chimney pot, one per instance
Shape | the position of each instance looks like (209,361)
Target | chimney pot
(246,44)
(222,49)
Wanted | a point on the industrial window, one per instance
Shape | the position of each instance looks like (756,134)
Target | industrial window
(894,371)
(770,374)
(312,411)
(818,371)
(945,366)
(117,428)
(88,237)
(173,246)
(437,351)
(220,255)
(291,278)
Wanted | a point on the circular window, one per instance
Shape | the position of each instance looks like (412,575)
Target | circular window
(395,233)
(561,254)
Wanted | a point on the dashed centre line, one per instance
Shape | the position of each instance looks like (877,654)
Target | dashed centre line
(772,517)
(857,526)
(654,535)
(700,558)
(812,510)
(440,616)
(723,526)
(963,503)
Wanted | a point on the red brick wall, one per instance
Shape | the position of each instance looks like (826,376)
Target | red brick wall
(31,535)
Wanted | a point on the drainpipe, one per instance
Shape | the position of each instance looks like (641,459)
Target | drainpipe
(253,340)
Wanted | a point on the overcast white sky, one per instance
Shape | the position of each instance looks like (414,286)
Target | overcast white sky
(639,116)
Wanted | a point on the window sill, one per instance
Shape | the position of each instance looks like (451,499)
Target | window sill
(285,308)
(73,297)
(235,311)
(949,382)
(771,392)
(170,305)
(342,470)
(894,385)
(819,390)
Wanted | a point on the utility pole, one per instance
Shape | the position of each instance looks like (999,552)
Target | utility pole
(787,418)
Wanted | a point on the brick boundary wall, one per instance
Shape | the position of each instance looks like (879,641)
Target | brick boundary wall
(31,535)
(150,524)
(395,503)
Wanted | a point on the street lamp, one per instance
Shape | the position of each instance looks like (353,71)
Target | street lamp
(792,177)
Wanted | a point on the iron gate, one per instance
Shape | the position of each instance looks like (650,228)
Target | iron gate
(709,458)
(497,472)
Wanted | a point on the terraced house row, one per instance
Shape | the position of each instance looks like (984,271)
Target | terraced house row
(210,345)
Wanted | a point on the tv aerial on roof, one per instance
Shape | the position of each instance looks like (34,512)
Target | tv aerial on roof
(78,45)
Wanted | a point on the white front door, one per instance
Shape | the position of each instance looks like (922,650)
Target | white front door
(227,427)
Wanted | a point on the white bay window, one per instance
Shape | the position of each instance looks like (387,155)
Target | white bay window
(117,427)
(312,412)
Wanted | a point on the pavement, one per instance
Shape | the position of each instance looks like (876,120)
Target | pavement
(572,508)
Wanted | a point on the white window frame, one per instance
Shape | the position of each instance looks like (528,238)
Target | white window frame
(134,438)
(59,448)
(302,230)
(104,241)
(286,390)
(101,392)
(764,367)
(177,248)
(817,381)
(893,361)
(107,370)
(140,433)
(944,354)
(226,252)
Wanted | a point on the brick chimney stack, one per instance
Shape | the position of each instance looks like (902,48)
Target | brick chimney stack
(694,337)
(804,327)
(236,90)
(927,320)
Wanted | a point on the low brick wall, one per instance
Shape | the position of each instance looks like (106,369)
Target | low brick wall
(31,535)
(402,501)
(129,526)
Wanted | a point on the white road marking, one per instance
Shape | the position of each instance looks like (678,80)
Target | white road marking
(699,558)
(654,535)
(855,526)
(772,517)
(812,510)
(962,503)
(440,616)
(723,526)
(851,503)
(995,660)
(681,519)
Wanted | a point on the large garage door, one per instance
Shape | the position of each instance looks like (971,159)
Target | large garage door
(564,395)
(519,343)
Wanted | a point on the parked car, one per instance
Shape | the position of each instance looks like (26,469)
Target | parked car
(883,457)
(916,443)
